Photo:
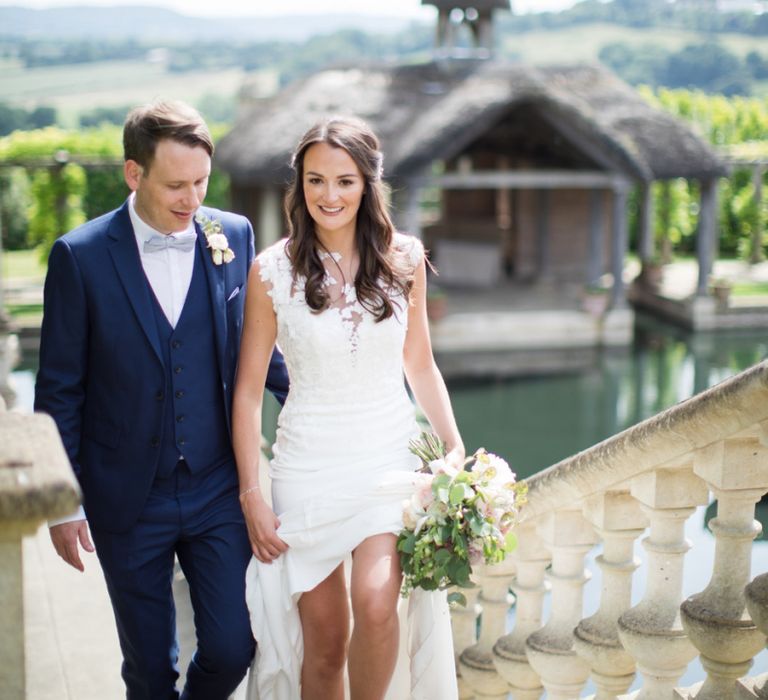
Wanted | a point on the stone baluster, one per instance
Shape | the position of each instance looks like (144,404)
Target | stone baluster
(550,650)
(531,560)
(464,630)
(618,520)
(651,631)
(756,594)
(716,620)
(36,482)
(476,662)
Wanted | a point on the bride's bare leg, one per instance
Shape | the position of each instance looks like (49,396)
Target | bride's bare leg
(324,615)
(376,581)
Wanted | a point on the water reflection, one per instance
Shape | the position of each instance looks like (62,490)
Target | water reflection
(539,420)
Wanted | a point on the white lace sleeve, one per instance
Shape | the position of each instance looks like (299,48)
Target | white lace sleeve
(275,272)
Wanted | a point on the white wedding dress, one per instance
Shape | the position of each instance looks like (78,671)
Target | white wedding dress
(340,473)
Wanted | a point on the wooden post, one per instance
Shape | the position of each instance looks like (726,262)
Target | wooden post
(4,319)
(756,256)
(406,208)
(706,238)
(595,256)
(8,342)
(542,231)
(270,224)
(619,243)
(645,243)
(666,216)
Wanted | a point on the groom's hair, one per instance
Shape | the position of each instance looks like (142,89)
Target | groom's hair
(147,125)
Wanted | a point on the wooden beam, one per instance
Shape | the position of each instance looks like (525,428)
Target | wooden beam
(527,179)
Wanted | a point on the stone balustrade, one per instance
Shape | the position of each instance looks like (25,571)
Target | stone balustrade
(641,485)
(36,483)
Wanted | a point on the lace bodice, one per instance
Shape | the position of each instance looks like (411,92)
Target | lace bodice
(340,353)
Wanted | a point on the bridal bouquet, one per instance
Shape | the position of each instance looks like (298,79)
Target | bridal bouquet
(456,518)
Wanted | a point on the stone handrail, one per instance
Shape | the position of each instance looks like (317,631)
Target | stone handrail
(36,484)
(712,415)
(647,479)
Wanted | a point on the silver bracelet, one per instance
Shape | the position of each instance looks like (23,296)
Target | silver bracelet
(250,490)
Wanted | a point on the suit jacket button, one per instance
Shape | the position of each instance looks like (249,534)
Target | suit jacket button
(159,395)
(176,344)
(178,369)
(180,394)
(179,419)
(155,442)
(182,441)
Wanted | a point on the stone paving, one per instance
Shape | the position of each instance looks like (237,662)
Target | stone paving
(72,651)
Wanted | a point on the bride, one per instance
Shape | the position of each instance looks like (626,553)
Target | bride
(344,296)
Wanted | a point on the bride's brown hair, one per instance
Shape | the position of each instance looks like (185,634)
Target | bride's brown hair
(382,272)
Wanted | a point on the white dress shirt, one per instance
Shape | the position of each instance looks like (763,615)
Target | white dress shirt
(169,273)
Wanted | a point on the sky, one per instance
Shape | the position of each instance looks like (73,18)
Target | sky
(220,8)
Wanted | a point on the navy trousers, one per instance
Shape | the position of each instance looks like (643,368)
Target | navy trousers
(197,518)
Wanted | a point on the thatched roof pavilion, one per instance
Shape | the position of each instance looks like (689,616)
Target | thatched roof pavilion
(500,141)
(434,111)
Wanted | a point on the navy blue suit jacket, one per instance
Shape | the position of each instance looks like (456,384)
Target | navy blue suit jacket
(101,368)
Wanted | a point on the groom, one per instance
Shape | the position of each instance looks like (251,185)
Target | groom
(141,330)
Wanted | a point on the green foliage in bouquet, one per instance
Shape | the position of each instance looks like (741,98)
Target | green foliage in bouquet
(456,519)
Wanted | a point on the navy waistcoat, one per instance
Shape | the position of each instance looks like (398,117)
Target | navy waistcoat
(194,423)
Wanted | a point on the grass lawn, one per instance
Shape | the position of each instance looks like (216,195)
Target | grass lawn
(583,43)
(22,275)
(22,265)
(74,88)
(25,314)
(750,289)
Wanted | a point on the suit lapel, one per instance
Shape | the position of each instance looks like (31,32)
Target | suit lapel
(215,276)
(125,256)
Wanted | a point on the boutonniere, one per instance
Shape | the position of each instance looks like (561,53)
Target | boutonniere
(217,241)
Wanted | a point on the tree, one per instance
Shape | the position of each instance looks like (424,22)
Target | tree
(15,199)
(709,66)
(40,117)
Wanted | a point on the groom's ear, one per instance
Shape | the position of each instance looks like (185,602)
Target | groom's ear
(132,172)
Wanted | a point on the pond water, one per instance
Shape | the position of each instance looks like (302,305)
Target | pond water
(536,421)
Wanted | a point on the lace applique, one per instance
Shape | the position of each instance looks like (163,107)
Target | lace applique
(342,299)
(345,320)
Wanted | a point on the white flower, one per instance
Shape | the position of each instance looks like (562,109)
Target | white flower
(493,468)
(218,241)
(410,514)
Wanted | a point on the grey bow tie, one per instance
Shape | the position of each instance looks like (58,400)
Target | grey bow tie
(185,240)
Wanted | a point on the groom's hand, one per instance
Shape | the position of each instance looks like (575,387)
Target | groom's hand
(66,537)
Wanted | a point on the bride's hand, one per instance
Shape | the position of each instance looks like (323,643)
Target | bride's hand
(455,458)
(262,526)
